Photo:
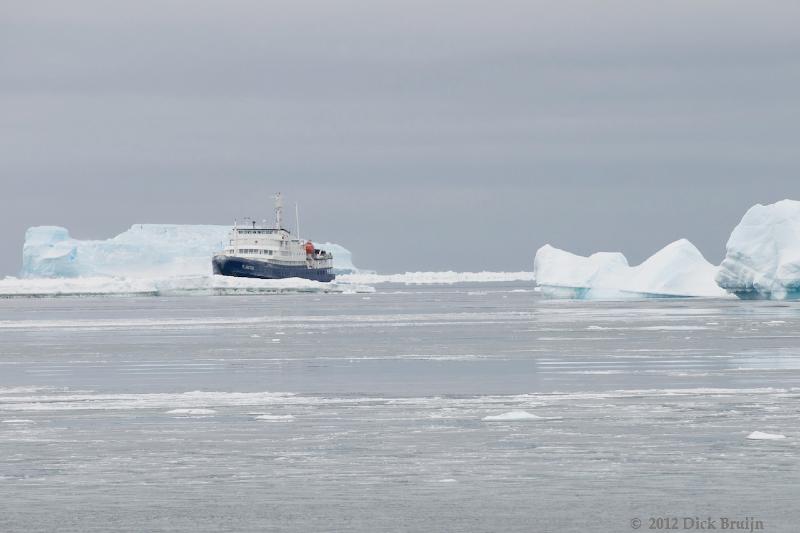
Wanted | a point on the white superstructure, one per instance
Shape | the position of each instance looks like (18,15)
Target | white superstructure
(275,245)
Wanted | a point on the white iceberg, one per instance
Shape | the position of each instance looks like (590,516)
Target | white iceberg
(559,273)
(677,270)
(760,435)
(143,251)
(342,258)
(763,253)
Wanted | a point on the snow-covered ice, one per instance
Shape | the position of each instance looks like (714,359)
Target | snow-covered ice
(191,412)
(677,270)
(760,435)
(143,251)
(512,416)
(429,278)
(167,286)
(276,418)
(763,253)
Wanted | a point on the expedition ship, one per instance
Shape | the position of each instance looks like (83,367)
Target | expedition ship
(255,251)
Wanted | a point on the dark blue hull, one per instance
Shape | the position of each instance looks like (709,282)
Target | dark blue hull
(248,268)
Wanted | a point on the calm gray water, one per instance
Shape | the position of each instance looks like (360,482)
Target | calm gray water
(365,413)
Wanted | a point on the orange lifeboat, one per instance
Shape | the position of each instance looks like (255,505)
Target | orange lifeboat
(309,248)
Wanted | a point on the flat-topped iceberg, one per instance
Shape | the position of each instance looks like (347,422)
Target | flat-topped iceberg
(677,270)
(763,253)
(144,250)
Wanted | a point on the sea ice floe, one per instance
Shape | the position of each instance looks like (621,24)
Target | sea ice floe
(192,411)
(429,278)
(760,435)
(276,418)
(171,286)
(512,416)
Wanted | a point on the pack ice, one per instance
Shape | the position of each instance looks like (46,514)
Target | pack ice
(144,250)
(677,270)
(763,253)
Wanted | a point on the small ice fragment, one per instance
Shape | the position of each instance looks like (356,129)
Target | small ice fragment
(18,421)
(276,418)
(255,336)
(512,416)
(191,412)
(760,435)
(448,480)
(276,340)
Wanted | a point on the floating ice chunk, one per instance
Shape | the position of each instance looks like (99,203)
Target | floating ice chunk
(18,421)
(276,418)
(171,286)
(759,435)
(191,412)
(144,250)
(677,270)
(763,253)
(559,272)
(512,416)
(429,278)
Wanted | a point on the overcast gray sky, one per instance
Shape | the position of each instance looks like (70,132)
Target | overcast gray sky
(423,135)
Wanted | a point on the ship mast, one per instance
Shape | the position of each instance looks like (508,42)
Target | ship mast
(297,219)
(278,210)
